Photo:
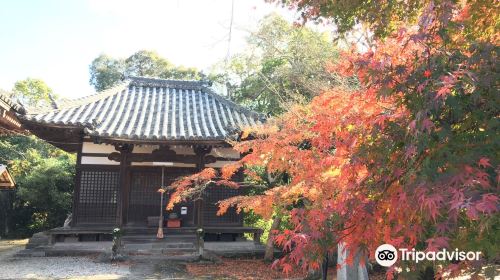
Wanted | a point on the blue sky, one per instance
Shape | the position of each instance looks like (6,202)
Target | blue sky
(55,40)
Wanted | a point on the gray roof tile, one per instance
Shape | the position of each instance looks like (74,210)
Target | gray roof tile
(152,109)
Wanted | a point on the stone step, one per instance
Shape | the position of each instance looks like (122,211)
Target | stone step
(153,231)
(141,238)
(163,243)
(173,252)
(164,253)
(181,256)
(155,241)
(165,235)
(164,249)
(160,246)
(30,253)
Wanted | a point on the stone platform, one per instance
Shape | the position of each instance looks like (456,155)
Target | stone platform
(157,249)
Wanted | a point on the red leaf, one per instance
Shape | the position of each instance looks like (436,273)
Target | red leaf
(412,125)
(287,268)
(280,239)
(411,151)
(484,162)
(427,125)
(488,204)
(472,213)
(442,92)
(436,243)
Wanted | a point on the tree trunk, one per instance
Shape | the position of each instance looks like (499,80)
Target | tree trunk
(324,268)
(269,255)
(356,271)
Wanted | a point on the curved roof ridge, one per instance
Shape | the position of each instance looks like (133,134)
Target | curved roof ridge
(132,77)
(160,82)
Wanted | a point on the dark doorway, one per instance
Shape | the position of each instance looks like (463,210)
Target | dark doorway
(144,198)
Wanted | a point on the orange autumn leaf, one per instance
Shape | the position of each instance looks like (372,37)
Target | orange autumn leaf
(404,155)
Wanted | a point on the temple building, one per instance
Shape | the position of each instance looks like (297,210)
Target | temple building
(9,123)
(138,136)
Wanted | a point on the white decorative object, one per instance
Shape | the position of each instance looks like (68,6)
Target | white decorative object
(347,272)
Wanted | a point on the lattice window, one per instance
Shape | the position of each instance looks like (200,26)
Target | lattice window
(98,196)
(212,196)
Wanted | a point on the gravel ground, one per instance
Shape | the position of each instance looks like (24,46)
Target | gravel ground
(83,267)
(55,267)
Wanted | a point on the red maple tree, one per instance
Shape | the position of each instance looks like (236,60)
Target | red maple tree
(410,158)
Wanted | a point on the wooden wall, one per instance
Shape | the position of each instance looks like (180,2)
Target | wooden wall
(97,154)
(97,196)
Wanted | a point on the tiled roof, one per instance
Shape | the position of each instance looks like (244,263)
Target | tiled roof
(7,103)
(6,180)
(9,123)
(152,109)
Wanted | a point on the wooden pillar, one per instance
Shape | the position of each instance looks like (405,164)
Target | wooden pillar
(76,189)
(201,152)
(124,186)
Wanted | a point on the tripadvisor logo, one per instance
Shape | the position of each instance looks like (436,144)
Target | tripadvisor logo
(387,255)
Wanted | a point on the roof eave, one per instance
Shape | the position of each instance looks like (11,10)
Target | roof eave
(208,142)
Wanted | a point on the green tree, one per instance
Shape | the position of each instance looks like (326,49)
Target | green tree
(44,176)
(147,64)
(32,92)
(283,64)
(382,17)
(48,189)
(385,17)
(106,71)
